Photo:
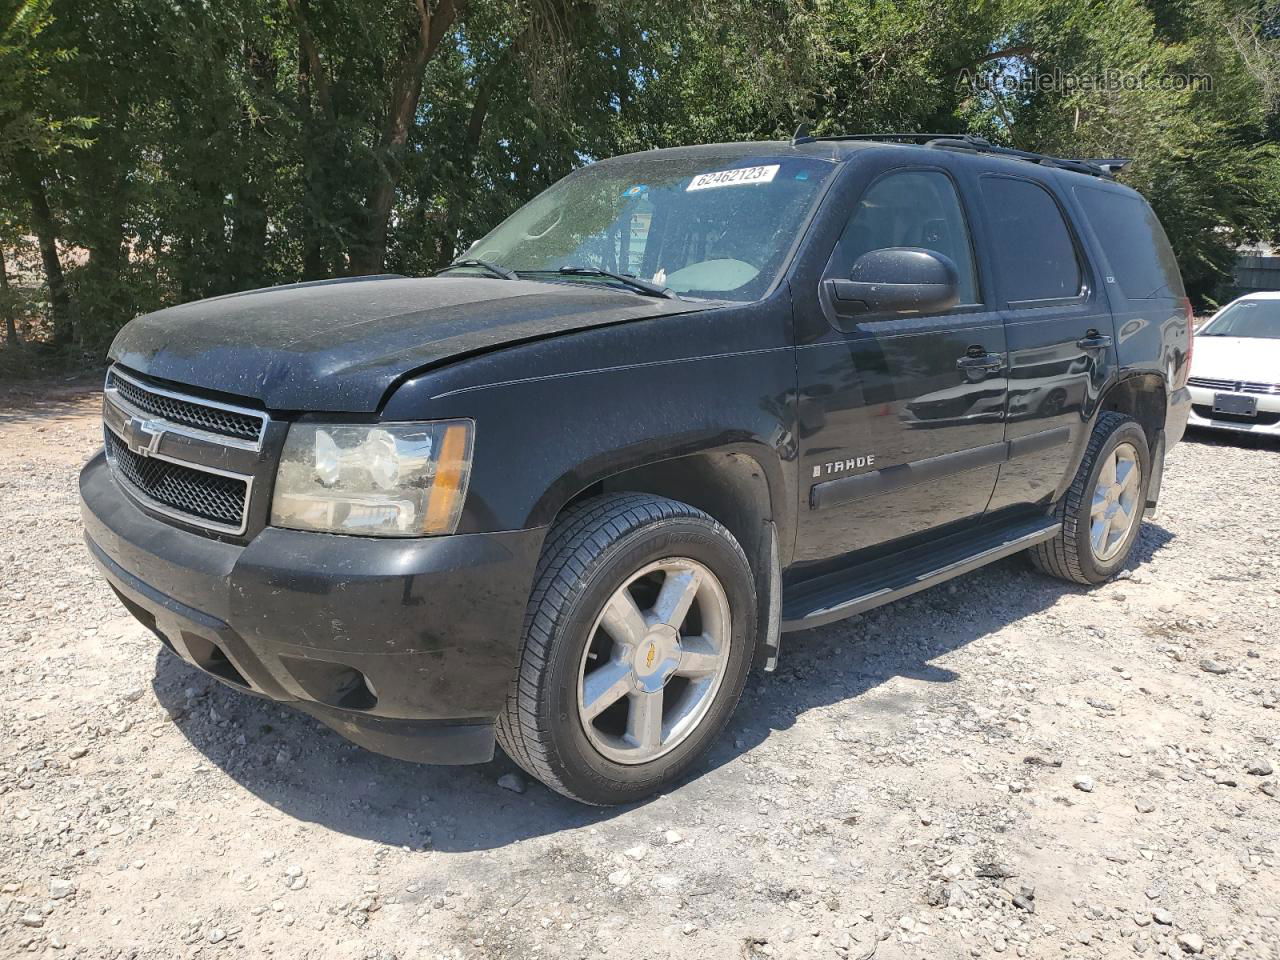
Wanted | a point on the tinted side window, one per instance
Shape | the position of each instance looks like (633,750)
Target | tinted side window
(1034,252)
(914,208)
(1137,249)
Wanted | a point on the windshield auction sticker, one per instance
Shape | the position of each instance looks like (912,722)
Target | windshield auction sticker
(733,178)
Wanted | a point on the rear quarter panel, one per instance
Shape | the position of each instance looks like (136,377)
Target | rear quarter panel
(1151,333)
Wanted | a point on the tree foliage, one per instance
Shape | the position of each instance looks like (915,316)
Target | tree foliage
(153,151)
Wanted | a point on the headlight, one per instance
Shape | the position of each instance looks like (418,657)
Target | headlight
(384,480)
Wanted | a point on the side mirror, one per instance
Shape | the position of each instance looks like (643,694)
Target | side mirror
(895,280)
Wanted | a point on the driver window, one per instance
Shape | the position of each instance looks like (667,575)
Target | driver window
(914,208)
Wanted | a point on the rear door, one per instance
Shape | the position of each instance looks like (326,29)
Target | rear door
(1058,328)
(901,417)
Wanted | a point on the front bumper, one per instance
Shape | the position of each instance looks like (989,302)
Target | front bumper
(405,647)
(1266,423)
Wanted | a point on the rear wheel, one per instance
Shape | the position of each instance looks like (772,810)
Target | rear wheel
(1101,513)
(638,641)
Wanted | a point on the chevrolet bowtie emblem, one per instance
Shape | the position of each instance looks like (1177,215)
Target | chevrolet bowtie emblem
(143,436)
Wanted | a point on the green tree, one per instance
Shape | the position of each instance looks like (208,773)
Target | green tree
(33,129)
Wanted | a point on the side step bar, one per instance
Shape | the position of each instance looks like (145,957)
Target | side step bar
(834,596)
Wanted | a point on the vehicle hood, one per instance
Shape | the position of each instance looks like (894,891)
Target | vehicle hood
(1250,359)
(339,345)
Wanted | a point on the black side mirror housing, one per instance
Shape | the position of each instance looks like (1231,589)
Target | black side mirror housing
(894,281)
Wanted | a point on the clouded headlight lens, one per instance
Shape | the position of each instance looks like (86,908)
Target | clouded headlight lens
(385,480)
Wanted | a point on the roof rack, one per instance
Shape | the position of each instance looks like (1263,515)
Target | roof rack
(1105,168)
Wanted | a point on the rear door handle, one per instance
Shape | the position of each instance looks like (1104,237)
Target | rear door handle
(982,361)
(1094,341)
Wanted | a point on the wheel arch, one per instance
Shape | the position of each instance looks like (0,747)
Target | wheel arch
(1143,396)
(740,485)
(743,487)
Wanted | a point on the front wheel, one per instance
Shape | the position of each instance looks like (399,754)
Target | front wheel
(1101,513)
(637,644)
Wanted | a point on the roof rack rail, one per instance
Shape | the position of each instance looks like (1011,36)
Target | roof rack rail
(1111,165)
(1106,168)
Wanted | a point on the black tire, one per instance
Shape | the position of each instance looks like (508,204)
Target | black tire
(590,551)
(1070,555)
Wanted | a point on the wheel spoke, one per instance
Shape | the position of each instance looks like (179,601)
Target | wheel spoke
(603,687)
(1101,530)
(698,657)
(1099,503)
(623,620)
(644,720)
(1108,475)
(676,596)
(1127,474)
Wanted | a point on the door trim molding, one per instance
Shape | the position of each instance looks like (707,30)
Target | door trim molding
(831,493)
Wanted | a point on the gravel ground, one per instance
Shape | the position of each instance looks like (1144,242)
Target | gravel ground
(1006,765)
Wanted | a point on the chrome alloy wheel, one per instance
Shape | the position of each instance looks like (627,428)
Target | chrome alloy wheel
(656,656)
(1115,506)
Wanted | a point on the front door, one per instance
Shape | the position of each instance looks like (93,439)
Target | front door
(901,417)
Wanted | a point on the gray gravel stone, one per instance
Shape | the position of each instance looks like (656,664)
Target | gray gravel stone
(513,782)
(1190,943)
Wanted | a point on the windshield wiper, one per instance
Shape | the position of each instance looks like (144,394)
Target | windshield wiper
(635,283)
(493,269)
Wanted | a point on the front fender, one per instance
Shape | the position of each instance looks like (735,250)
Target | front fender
(723,380)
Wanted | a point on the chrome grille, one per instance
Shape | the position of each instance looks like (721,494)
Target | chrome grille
(215,499)
(1235,386)
(182,456)
(1263,388)
(207,415)
(1210,384)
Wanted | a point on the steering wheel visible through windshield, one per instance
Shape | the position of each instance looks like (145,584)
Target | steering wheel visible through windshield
(717,227)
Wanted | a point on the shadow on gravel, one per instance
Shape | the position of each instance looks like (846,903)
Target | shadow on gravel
(51,403)
(305,770)
(1224,438)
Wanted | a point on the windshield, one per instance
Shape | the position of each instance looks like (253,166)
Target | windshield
(1258,319)
(715,227)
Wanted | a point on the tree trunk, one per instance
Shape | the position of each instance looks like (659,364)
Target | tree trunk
(370,249)
(312,82)
(470,146)
(248,243)
(6,306)
(46,230)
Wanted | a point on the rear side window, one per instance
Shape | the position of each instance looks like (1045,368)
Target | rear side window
(1034,252)
(1142,262)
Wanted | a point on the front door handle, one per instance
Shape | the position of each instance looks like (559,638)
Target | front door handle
(982,361)
(1094,340)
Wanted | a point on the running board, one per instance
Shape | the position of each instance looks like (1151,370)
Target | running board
(834,596)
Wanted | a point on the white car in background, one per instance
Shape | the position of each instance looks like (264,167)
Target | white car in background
(1235,368)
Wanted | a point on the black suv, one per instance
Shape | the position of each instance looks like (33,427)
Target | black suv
(566,493)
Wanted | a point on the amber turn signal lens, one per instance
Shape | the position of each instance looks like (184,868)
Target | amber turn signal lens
(449,488)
